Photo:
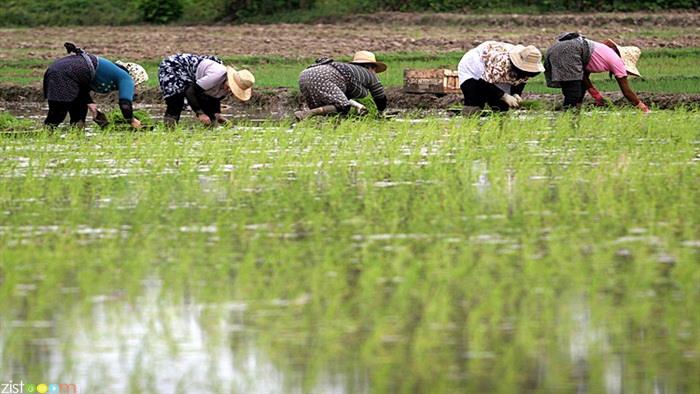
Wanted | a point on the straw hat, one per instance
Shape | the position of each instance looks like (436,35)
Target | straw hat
(367,57)
(526,58)
(240,82)
(137,73)
(630,57)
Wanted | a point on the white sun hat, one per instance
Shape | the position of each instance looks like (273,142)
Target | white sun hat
(136,71)
(527,58)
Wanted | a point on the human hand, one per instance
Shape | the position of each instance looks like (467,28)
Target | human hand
(518,98)
(204,119)
(643,107)
(510,100)
(135,123)
(100,119)
(92,107)
(599,101)
(220,118)
(361,109)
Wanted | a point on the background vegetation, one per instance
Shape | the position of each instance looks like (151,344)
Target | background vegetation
(111,12)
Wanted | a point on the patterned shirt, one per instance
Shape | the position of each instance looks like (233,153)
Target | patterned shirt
(497,65)
(489,61)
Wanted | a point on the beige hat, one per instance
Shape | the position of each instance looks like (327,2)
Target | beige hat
(240,82)
(630,57)
(526,58)
(137,73)
(367,57)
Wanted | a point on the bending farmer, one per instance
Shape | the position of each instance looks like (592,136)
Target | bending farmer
(329,86)
(571,60)
(204,81)
(69,80)
(495,73)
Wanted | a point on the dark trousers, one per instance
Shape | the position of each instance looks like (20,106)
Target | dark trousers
(76,108)
(479,93)
(209,105)
(573,93)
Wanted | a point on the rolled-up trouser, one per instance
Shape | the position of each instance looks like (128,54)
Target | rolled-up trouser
(479,93)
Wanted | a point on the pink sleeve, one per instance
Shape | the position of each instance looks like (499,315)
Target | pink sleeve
(605,59)
(616,66)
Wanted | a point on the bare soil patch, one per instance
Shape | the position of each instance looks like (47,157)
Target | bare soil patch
(383,33)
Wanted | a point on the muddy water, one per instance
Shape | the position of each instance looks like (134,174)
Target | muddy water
(429,255)
(37,111)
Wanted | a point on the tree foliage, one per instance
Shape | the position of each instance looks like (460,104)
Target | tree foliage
(114,12)
(160,11)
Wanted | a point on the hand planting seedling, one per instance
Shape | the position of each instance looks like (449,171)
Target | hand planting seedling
(115,120)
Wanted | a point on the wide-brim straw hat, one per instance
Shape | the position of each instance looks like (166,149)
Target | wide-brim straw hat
(136,71)
(240,83)
(527,58)
(367,57)
(630,57)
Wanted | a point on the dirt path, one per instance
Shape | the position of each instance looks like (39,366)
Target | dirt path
(383,32)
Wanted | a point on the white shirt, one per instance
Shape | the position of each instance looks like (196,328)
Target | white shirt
(211,77)
(471,66)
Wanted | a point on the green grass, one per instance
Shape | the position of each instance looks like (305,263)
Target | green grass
(664,71)
(667,70)
(10,123)
(532,252)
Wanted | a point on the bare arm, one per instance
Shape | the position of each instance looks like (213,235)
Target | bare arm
(630,95)
(627,90)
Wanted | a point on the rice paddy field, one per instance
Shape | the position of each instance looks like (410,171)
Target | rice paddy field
(530,252)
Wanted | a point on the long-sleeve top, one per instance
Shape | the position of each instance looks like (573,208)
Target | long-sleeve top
(109,77)
(489,61)
(211,77)
(361,82)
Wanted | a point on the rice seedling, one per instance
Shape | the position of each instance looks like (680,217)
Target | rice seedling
(524,252)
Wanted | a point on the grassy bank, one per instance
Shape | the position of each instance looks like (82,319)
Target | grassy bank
(664,71)
(472,255)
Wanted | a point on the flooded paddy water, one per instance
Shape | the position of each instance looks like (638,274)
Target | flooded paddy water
(526,253)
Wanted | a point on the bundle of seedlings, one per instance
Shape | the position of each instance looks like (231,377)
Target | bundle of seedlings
(114,120)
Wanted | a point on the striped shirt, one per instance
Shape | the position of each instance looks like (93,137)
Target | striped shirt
(360,81)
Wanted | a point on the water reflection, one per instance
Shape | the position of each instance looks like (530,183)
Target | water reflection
(426,260)
(171,342)
(159,343)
